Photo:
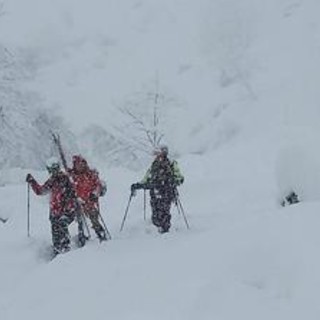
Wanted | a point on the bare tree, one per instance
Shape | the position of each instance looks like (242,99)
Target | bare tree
(25,140)
(14,112)
(2,12)
(147,118)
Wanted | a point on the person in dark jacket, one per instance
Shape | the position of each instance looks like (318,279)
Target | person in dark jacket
(290,198)
(162,179)
(63,204)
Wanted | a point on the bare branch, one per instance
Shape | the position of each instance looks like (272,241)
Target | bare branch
(160,138)
(146,120)
(133,116)
(142,126)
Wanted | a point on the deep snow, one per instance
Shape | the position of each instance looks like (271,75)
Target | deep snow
(244,257)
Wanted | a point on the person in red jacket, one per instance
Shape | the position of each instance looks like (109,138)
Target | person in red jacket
(88,188)
(62,204)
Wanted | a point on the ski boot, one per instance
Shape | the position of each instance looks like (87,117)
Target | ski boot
(82,239)
(101,234)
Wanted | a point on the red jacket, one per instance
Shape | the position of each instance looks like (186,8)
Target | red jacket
(62,199)
(87,186)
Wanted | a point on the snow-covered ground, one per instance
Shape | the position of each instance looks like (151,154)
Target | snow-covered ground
(244,256)
(247,73)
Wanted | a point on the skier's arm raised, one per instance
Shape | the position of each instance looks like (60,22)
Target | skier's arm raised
(37,188)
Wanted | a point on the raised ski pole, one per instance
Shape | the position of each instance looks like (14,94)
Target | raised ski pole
(28,210)
(81,219)
(126,212)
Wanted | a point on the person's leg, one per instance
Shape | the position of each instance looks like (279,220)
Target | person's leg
(64,221)
(55,234)
(165,216)
(161,217)
(156,212)
(96,225)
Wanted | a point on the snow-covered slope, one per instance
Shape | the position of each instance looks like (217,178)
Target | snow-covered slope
(244,256)
(247,74)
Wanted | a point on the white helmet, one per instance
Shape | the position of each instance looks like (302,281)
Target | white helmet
(161,150)
(164,149)
(53,165)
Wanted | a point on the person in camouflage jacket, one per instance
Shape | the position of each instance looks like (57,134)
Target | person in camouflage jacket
(162,179)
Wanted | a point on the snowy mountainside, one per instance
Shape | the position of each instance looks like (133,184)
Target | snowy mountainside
(212,57)
(229,65)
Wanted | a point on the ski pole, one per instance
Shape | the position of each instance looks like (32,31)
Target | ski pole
(105,226)
(28,210)
(144,206)
(81,220)
(176,196)
(84,221)
(126,212)
(103,222)
(183,213)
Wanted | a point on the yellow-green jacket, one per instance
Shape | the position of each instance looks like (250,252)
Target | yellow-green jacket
(162,170)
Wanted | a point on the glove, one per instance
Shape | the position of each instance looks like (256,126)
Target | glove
(133,188)
(136,186)
(178,182)
(93,197)
(29,178)
(81,201)
(103,189)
